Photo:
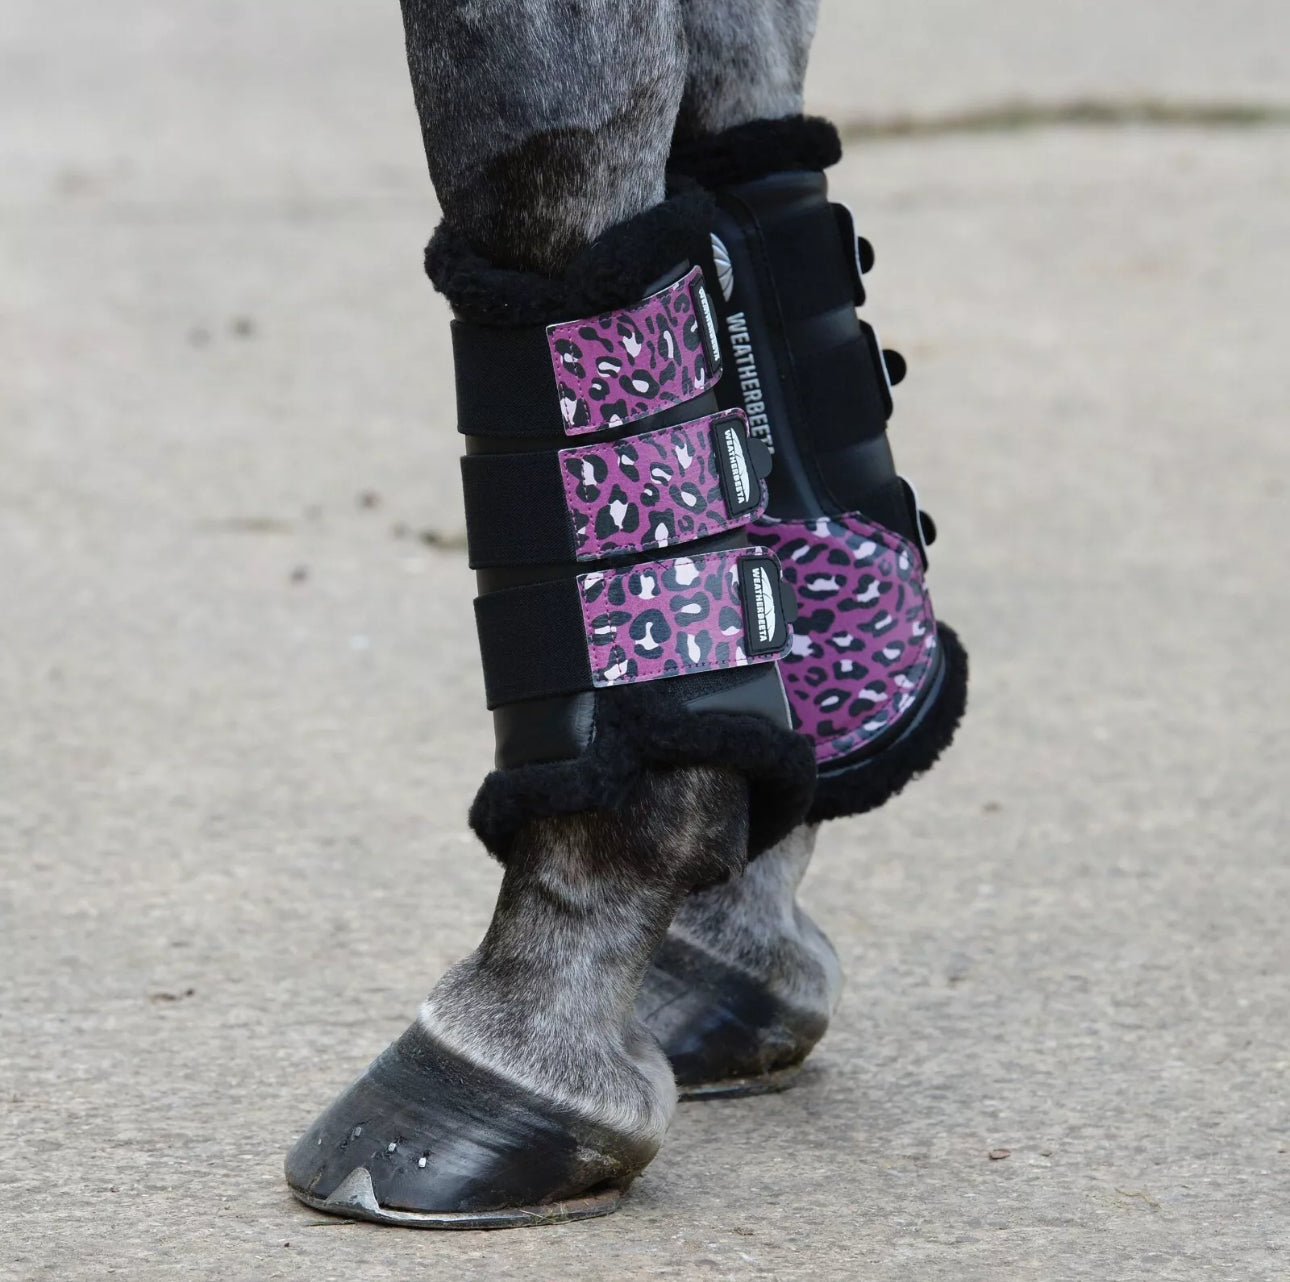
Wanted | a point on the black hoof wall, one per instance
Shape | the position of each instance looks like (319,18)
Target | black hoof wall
(355,1199)
(425,1139)
(725,1034)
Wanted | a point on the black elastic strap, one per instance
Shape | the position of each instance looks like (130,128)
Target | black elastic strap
(516,510)
(533,642)
(505,383)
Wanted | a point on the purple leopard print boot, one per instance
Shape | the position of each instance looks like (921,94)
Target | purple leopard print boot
(744,984)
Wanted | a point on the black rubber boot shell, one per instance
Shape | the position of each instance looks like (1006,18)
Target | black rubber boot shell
(821,390)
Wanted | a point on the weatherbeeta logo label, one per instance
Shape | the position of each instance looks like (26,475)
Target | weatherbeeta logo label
(749,378)
(740,485)
(708,330)
(766,614)
(765,621)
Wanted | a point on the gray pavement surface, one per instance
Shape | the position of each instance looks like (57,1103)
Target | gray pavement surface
(240,714)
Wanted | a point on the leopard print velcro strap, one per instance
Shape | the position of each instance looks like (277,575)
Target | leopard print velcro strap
(673,485)
(691,614)
(627,364)
(714,610)
(865,641)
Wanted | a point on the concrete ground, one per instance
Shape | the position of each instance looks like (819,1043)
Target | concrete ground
(240,715)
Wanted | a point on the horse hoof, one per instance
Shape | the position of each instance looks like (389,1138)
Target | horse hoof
(426,1139)
(725,1033)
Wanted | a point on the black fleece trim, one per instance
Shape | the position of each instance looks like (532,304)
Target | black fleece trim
(614,270)
(853,789)
(748,152)
(633,733)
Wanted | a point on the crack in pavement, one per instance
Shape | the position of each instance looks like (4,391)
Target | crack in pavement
(1100,112)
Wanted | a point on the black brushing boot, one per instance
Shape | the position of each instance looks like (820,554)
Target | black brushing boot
(629,634)
(744,985)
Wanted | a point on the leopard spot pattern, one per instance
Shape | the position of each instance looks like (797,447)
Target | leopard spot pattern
(626,364)
(665,618)
(864,640)
(645,492)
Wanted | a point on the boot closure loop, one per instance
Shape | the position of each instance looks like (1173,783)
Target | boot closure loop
(611,499)
(657,619)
